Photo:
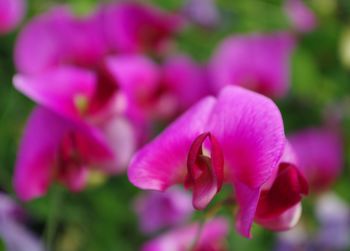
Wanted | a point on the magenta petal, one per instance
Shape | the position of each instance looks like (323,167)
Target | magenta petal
(247,200)
(286,192)
(56,38)
(282,222)
(40,45)
(37,154)
(259,62)
(249,128)
(11,13)
(162,162)
(61,89)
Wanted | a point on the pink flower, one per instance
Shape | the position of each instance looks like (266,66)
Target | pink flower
(320,156)
(134,27)
(237,138)
(211,238)
(70,77)
(11,14)
(54,148)
(157,210)
(301,17)
(259,62)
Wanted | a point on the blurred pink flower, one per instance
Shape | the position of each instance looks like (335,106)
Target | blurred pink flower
(301,17)
(249,138)
(157,210)
(11,14)
(211,238)
(158,91)
(320,155)
(12,231)
(259,62)
(132,27)
(54,148)
(60,71)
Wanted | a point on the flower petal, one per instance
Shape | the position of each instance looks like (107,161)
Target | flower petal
(11,13)
(286,192)
(61,90)
(249,128)
(162,162)
(56,38)
(205,175)
(282,222)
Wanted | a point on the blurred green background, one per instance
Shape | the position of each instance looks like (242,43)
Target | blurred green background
(100,218)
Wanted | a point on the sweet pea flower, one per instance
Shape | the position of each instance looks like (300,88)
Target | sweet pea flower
(320,155)
(259,62)
(301,17)
(54,148)
(237,138)
(63,73)
(132,27)
(12,231)
(157,210)
(11,14)
(211,237)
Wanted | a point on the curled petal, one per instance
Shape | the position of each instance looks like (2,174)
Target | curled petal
(204,174)
(286,192)
(162,162)
(65,90)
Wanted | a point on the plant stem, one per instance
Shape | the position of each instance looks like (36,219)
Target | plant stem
(53,217)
